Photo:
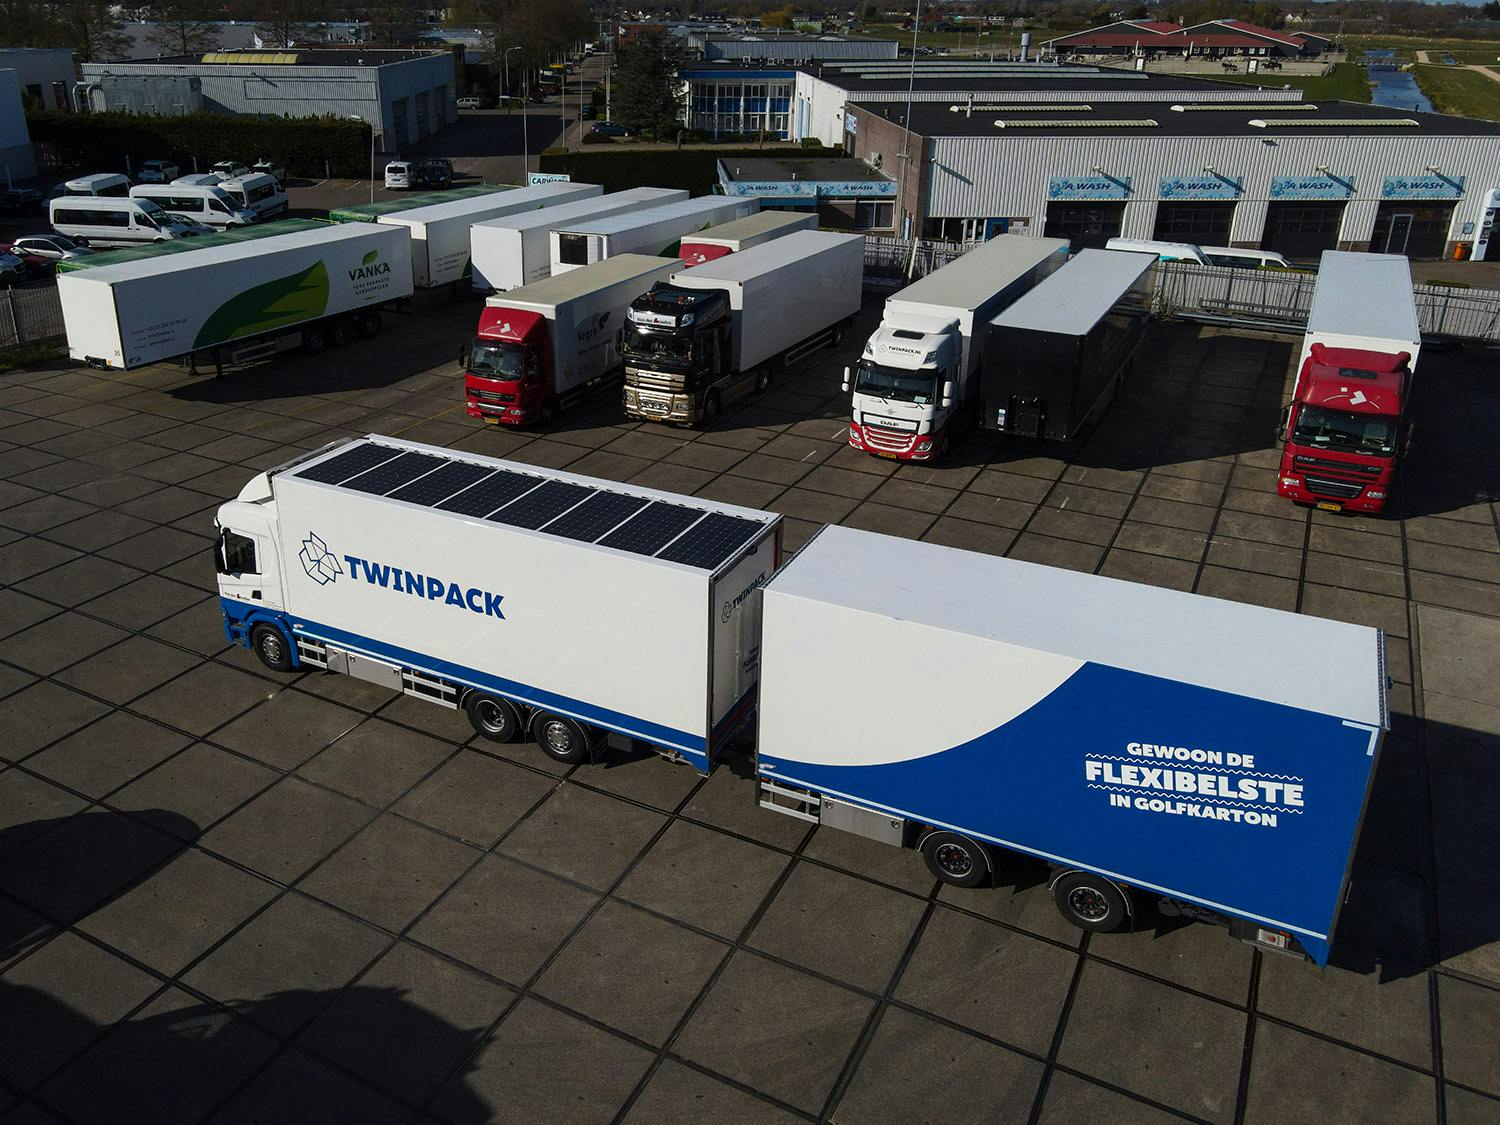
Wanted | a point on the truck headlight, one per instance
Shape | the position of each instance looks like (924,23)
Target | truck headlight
(999,417)
(853,432)
(1292,482)
(1376,494)
(923,446)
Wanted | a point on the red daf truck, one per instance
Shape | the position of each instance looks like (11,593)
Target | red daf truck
(1346,427)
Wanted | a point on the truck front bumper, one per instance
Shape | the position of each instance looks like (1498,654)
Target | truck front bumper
(1294,487)
(498,413)
(894,444)
(659,406)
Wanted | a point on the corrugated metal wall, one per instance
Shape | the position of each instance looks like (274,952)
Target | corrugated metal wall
(799,50)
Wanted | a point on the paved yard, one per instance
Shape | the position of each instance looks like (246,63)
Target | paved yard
(231,895)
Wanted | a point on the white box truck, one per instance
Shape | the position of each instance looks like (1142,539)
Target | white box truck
(741,234)
(535,600)
(715,332)
(238,302)
(656,230)
(440,252)
(918,377)
(516,250)
(543,346)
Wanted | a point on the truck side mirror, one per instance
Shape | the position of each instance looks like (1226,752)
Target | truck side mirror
(1286,414)
(947,394)
(848,378)
(1408,441)
(463,353)
(220,565)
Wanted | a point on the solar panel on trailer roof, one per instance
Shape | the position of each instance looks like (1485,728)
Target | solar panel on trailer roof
(712,540)
(541,505)
(494,491)
(350,463)
(596,516)
(392,474)
(652,529)
(451,478)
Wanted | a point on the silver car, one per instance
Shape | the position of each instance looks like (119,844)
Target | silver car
(157,172)
(13,271)
(53,247)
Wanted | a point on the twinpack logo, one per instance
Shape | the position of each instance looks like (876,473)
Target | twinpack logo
(321,564)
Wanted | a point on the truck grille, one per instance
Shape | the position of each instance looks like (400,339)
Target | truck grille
(654,381)
(492,396)
(1322,486)
(888,441)
(1338,466)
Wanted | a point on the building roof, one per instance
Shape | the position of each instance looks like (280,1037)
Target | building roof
(774,36)
(1237,119)
(1290,39)
(297,56)
(819,169)
(1212,33)
(998,78)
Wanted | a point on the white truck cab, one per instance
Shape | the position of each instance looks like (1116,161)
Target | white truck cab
(247,557)
(904,387)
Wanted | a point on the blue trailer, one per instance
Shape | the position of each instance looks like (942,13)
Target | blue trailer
(1148,744)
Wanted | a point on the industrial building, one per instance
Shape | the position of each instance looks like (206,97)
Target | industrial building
(847,194)
(45,74)
(17,157)
(768,46)
(406,95)
(1213,39)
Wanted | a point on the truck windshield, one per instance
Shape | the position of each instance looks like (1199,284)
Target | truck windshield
(490,360)
(1338,429)
(892,382)
(642,343)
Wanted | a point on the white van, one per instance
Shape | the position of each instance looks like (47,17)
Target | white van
(1236,258)
(398,174)
(210,205)
(199,179)
(110,184)
(1164,251)
(106,221)
(258,193)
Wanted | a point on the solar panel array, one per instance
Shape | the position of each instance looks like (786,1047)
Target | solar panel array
(585,513)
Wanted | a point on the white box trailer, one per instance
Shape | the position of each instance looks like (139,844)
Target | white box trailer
(535,600)
(741,234)
(1365,302)
(962,703)
(440,250)
(238,301)
(516,250)
(543,346)
(657,230)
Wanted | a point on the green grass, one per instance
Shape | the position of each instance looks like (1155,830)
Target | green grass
(1407,46)
(1346,83)
(1464,92)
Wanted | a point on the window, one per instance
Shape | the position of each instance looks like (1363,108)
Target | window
(237,554)
(573,249)
(60,95)
(263,192)
(1193,222)
(870,214)
(217,205)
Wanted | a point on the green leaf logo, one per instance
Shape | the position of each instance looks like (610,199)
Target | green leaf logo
(276,304)
(370,257)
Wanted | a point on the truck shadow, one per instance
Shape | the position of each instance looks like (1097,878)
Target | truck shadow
(179,1056)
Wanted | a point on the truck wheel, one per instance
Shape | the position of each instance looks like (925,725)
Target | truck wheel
(270,645)
(713,408)
(492,717)
(763,378)
(548,413)
(314,340)
(368,324)
(340,332)
(562,739)
(1090,902)
(956,859)
(838,334)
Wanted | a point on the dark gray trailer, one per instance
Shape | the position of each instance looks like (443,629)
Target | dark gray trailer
(1054,359)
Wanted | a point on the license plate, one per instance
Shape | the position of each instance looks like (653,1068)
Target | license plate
(491,420)
(1330,506)
(887,456)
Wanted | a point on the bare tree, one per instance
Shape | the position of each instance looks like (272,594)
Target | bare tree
(182,27)
(92,28)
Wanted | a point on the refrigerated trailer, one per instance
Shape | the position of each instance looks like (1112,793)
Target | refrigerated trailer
(253,233)
(536,601)
(969,705)
(234,303)
(656,230)
(1055,359)
(716,331)
(741,234)
(516,250)
(542,347)
(371,212)
(440,252)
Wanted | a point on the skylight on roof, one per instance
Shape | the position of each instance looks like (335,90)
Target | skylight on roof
(1279,107)
(1335,123)
(1025,107)
(1074,123)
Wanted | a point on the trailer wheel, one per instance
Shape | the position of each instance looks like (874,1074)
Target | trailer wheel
(548,413)
(562,739)
(1090,902)
(368,324)
(955,859)
(713,408)
(270,645)
(340,331)
(492,717)
(314,340)
(838,334)
(763,378)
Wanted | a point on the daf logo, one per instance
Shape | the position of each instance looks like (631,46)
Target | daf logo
(321,564)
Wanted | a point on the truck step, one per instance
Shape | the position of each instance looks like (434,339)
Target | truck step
(790,802)
(312,653)
(429,688)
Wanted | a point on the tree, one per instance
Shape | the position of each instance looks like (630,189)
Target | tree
(1491,10)
(780,17)
(648,94)
(394,23)
(286,23)
(92,28)
(183,27)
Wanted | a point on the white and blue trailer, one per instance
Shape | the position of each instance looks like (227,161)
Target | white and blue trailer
(539,602)
(1141,741)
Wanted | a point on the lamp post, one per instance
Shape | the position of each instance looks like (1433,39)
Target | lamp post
(525,140)
(357,117)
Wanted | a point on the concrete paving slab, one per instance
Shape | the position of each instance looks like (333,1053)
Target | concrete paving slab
(297,1084)
(678,1093)
(616,832)
(1307,1079)
(1383,1009)
(287,829)
(1070,1098)
(42,714)
(376,762)
(1470,1028)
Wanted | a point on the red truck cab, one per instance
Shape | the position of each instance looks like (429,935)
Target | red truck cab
(508,368)
(696,253)
(1345,428)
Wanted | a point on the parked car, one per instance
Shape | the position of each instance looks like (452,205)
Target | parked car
(36,265)
(229,169)
(157,172)
(610,129)
(21,201)
(53,247)
(191,225)
(272,169)
(434,172)
(399,174)
(586,112)
(13,270)
(469,103)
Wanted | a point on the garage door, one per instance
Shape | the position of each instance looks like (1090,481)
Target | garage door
(1302,231)
(1084,224)
(1205,224)
(1418,230)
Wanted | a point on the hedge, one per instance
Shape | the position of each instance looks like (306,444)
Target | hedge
(305,146)
(694,169)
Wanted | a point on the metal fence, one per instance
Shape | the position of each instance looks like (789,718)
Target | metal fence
(892,262)
(33,313)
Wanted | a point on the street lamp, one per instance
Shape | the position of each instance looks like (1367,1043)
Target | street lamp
(357,117)
(525,141)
